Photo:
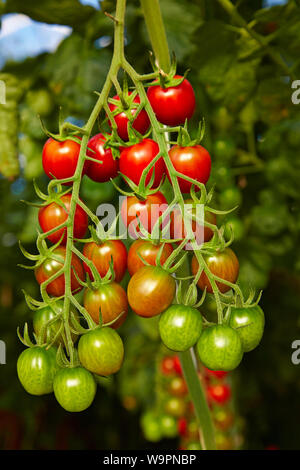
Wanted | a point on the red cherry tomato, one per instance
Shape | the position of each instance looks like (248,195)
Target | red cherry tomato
(134,159)
(177,365)
(173,105)
(101,254)
(167,365)
(194,162)
(182,426)
(60,158)
(219,393)
(107,167)
(148,211)
(53,215)
(219,374)
(148,251)
(51,266)
(141,122)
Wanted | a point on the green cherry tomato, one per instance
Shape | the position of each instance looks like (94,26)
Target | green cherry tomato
(249,323)
(36,368)
(151,426)
(175,406)
(101,351)
(44,315)
(74,388)
(168,426)
(230,197)
(235,225)
(180,327)
(220,348)
(224,148)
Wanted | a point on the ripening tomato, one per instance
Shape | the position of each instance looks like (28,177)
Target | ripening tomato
(249,323)
(101,351)
(51,266)
(223,419)
(74,388)
(134,159)
(219,393)
(60,158)
(101,254)
(177,387)
(174,104)
(194,162)
(167,365)
(150,291)
(36,368)
(201,233)
(53,215)
(175,406)
(148,251)
(107,167)
(223,264)
(141,123)
(148,211)
(111,299)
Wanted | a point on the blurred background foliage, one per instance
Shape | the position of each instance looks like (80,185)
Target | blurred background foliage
(243,89)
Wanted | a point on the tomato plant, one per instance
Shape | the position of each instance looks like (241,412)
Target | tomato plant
(60,158)
(107,167)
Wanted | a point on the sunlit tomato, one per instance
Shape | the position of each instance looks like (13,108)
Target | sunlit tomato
(53,215)
(111,299)
(60,158)
(141,123)
(101,351)
(44,315)
(219,374)
(223,419)
(74,388)
(219,393)
(175,406)
(177,387)
(148,211)
(36,368)
(249,323)
(107,167)
(220,348)
(150,291)
(182,426)
(223,264)
(134,159)
(173,105)
(148,251)
(51,266)
(194,162)
(201,233)
(101,255)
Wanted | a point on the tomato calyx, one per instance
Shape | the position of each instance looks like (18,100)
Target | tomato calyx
(184,139)
(166,80)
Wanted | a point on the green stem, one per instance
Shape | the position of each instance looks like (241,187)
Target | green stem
(157,33)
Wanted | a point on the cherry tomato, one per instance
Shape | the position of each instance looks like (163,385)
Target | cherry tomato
(182,426)
(177,365)
(101,351)
(230,197)
(177,387)
(219,374)
(107,167)
(220,348)
(51,266)
(36,368)
(167,365)
(223,442)
(223,264)
(111,299)
(151,426)
(249,323)
(134,159)
(168,426)
(173,105)
(53,215)
(175,406)
(44,315)
(150,291)
(148,251)
(74,388)
(60,158)
(194,162)
(148,211)
(224,148)
(101,255)
(141,123)
(219,393)
(234,225)
(223,419)
(180,327)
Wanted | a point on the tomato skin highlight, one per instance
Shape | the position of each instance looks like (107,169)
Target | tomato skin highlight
(194,162)
(150,291)
(223,264)
(134,159)
(219,393)
(101,351)
(53,215)
(141,123)
(111,299)
(180,327)
(60,158)
(50,266)
(173,105)
(220,348)
(74,389)
(249,323)
(148,251)
(101,172)
(36,368)
(101,254)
